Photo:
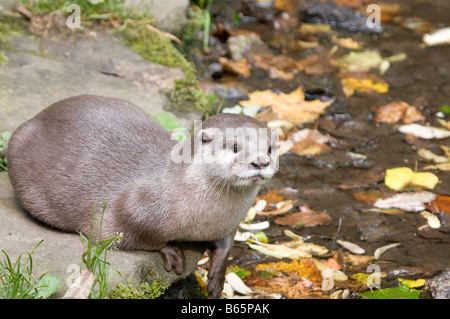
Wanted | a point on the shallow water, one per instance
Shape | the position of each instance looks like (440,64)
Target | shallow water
(422,80)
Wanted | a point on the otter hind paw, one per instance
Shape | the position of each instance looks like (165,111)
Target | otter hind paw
(173,258)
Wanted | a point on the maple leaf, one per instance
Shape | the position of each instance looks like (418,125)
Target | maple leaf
(291,107)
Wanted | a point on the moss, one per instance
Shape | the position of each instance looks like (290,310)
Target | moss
(186,96)
(11,25)
(145,290)
(3,58)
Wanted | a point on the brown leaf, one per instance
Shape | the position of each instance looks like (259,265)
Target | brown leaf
(291,107)
(397,111)
(286,206)
(364,180)
(279,66)
(290,6)
(235,67)
(309,142)
(315,65)
(370,196)
(305,217)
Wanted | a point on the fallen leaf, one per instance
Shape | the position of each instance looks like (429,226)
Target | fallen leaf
(237,284)
(400,178)
(440,204)
(239,67)
(397,111)
(444,123)
(314,28)
(282,207)
(439,37)
(306,217)
(424,132)
(255,226)
(381,250)
(353,248)
(271,197)
(357,261)
(302,267)
(292,249)
(359,62)
(350,85)
(309,142)
(364,180)
(278,66)
(411,202)
(290,6)
(433,220)
(313,64)
(416,24)
(348,43)
(291,107)
(370,196)
(443,167)
(412,283)
(430,156)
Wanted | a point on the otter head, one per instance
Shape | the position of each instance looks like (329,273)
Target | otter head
(236,149)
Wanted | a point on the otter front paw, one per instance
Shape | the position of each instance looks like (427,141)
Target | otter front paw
(215,284)
(173,258)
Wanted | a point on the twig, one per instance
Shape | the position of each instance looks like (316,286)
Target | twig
(164,34)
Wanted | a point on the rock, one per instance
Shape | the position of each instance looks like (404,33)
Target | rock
(60,252)
(30,82)
(337,16)
(8,4)
(170,15)
(439,286)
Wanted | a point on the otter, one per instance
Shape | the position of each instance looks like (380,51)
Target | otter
(158,191)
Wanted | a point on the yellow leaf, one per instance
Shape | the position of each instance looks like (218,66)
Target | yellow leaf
(352,85)
(398,178)
(412,283)
(424,180)
(360,277)
(401,177)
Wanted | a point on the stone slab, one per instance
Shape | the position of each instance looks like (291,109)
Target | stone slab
(60,252)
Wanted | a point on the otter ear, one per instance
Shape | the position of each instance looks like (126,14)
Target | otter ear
(204,136)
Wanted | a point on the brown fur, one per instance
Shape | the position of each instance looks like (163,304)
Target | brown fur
(89,148)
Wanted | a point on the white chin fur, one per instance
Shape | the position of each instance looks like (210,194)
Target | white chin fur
(255,180)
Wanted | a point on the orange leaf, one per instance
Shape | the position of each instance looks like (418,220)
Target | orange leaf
(440,204)
(271,197)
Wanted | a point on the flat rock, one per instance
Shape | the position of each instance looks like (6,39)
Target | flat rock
(169,15)
(60,252)
(31,80)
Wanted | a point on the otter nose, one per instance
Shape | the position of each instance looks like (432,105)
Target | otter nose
(258,164)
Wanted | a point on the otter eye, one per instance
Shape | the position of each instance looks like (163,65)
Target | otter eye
(235,148)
